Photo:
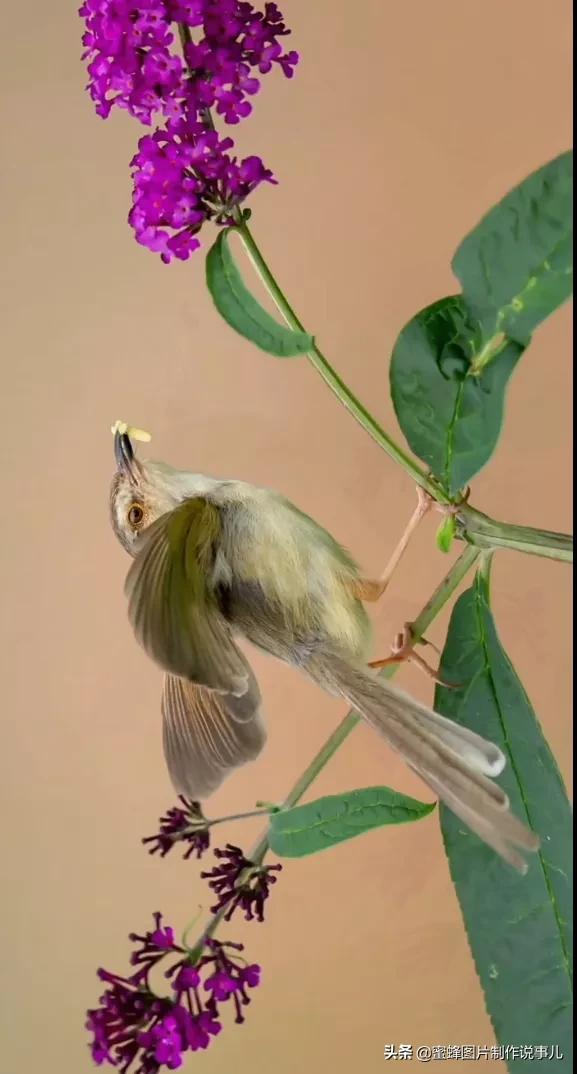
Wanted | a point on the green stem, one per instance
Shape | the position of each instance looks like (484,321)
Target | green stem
(330,747)
(489,534)
(485,566)
(329,375)
(483,532)
(316,357)
(241,816)
(439,598)
(444,591)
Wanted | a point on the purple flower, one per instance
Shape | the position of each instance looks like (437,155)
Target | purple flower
(134,63)
(135,1029)
(184,175)
(240,882)
(229,978)
(187,977)
(154,945)
(251,975)
(221,984)
(131,62)
(184,825)
(121,1021)
(205,1026)
(188,12)
(129,1010)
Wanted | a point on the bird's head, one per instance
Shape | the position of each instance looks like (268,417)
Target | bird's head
(141,491)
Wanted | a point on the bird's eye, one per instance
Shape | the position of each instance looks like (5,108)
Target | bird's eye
(136,515)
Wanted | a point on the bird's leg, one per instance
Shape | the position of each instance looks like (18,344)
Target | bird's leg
(403,648)
(371,590)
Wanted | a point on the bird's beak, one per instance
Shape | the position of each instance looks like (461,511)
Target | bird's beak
(125,458)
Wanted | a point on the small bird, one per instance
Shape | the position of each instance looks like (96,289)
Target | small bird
(215,561)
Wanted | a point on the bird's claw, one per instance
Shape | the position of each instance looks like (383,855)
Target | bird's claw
(403,649)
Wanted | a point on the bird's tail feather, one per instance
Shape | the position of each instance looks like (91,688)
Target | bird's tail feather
(455,762)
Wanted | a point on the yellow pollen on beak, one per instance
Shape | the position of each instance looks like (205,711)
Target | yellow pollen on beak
(131,431)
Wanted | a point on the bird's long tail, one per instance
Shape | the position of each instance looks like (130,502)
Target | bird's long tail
(457,764)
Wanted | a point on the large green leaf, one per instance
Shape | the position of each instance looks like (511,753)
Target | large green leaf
(516,267)
(306,829)
(242,311)
(451,364)
(519,927)
(451,419)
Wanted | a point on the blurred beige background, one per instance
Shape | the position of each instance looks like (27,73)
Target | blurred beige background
(404,124)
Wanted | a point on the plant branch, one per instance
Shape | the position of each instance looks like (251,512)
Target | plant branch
(242,816)
(315,356)
(483,532)
(330,376)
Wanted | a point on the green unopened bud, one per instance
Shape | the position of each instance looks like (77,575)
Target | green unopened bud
(446,533)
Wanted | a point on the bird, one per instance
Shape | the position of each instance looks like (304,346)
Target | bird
(215,562)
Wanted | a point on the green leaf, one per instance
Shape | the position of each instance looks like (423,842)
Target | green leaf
(451,364)
(241,310)
(306,829)
(451,419)
(516,267)
(519,927)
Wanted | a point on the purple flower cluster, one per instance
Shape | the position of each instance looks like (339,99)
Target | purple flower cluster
(135,1029)
(239,882)
(185,824)
(183,174)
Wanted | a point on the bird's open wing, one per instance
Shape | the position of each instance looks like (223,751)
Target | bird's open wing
(211,702)
(171,603)
(206,735)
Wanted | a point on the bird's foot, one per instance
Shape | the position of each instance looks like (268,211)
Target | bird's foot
(403,649)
